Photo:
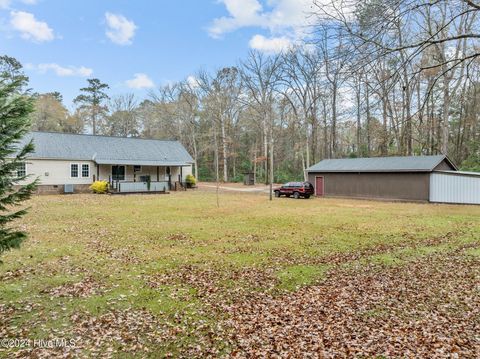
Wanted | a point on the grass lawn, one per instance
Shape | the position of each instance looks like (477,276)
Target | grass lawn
(173,275)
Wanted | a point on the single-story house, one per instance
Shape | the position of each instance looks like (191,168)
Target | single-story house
(412,178)
(71,162)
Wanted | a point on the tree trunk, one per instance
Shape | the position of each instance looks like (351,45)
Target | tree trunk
(94,122)
(325,132)
(307,147)
(367,99)
(224,151)
(383,149)
(271,165)
(359,124)
(195,156)
(446,109)
(217,169)
(304,168)
(265,149)
(255,165)
(334,121)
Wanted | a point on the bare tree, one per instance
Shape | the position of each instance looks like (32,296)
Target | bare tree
(222,93)
(301,87)
(123,119)
(260,74)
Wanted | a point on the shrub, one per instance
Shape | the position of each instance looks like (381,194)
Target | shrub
(238,178)
(191,180)
(99,187)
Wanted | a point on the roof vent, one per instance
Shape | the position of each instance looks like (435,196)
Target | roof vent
(68,188)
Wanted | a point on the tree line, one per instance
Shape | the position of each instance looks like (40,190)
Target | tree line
(375,78)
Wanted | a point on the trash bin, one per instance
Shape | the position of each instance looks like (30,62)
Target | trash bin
(248,179)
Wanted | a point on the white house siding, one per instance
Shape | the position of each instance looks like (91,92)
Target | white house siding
(54,174)
(454,188)
(57,172)
(175,171)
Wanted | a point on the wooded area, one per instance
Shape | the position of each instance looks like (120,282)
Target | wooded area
(377,77)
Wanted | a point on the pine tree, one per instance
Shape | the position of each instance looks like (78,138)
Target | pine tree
(91,102)
(15,109)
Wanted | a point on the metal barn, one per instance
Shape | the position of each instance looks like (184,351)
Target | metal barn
(455,187)
(413,178)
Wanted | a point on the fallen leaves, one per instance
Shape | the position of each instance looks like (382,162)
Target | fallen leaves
(152,277)
(428,308)
(85,288)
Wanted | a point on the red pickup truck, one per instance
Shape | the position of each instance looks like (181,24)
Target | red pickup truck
(295,189)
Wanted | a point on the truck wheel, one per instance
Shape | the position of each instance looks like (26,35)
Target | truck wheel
(277,194)
(296,195)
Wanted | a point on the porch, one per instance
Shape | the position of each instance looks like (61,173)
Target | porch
(132,178)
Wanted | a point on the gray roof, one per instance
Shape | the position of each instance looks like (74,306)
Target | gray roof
(381,164)
(108,150)
(460,173)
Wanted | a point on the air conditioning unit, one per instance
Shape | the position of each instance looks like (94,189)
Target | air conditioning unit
(68,188)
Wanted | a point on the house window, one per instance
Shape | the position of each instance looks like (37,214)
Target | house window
(118,173)
(137,168)
(21,169)
(85,170)
(74,170)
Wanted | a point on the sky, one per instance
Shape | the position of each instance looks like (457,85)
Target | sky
(136,46)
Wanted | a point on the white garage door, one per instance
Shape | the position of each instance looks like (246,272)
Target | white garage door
(455,187)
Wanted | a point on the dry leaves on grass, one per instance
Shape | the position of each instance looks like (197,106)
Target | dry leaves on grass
(429,308)
(283,257)
(124,255)
(83,289)
(217,286)
(105,336)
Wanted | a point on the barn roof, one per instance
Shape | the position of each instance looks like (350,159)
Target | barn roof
(107,150)
(381,164)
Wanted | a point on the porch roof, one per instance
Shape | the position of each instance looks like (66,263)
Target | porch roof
(140,163)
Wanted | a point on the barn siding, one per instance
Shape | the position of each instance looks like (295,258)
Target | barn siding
(444,166)
(410,186)
(454,188)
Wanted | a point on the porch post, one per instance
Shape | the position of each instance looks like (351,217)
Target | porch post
(158,174)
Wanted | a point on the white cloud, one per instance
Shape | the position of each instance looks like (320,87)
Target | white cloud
(120,30)
(270,45)
(287,21)
(140,81)
(80,71)
(29,27)
(283,15)
(192,81)
(242,13)
(5,4)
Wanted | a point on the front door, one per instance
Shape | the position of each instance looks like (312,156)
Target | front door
(118,173)
(319,186)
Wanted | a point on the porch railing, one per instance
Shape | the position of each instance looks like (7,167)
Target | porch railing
(141,186)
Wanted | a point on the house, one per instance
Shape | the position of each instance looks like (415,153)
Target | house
(62,161)
(413,178)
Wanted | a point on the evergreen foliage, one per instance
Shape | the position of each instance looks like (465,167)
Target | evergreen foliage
(15,109)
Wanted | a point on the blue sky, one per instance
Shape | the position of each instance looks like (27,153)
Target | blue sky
(135,46)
